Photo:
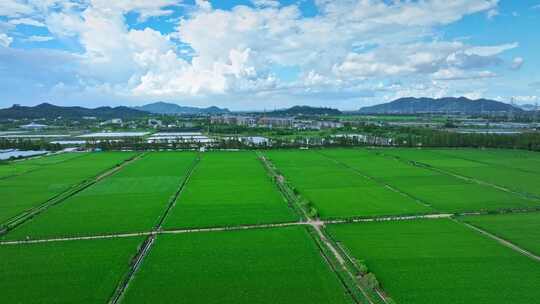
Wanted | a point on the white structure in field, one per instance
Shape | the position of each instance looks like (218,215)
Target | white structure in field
(34,126)
(113,135)
(185,137)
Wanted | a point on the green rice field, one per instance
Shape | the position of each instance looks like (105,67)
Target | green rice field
(227,189)
(23,192)
(443,192)
(253,266)
(130,201)
(337,191)
(522,229)
(440,261)
(13,168)
(64,272)
(438,226)
(516,170)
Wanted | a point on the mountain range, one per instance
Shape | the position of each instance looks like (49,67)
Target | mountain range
(450,105)
(50,111)
(305,111)
(166,108)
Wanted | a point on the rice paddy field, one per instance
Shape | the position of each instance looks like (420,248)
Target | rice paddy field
(17,167)
(431,225)
(130,201)
(85,271)
(515,170)
(440,261)
(22,192)
(274,266)
(522,229)
(228,189)
(339,192)
(443,192)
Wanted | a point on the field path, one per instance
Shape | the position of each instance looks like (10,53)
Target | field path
(318,226)
(151,237)
(318,223)
(503,242)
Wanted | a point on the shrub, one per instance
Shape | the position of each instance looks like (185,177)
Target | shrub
(370,281)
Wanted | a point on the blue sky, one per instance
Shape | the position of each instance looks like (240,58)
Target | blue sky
(264,54)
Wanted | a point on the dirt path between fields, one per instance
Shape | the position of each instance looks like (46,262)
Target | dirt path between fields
(143,251)
(314,223)
(503,242)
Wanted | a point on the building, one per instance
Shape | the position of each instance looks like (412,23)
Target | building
(154,123)
(34,126)
(179,137)
(329,124)
(276,122)
(114,121)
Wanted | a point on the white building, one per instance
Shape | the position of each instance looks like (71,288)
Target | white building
(34,126)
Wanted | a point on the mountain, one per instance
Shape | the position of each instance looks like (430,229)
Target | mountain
(305,111)
(174,109)
(529,107)
(452,105)
(50,111)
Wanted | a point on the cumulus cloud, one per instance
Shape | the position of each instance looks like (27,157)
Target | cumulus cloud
(39,38)
(347,47)
(266,3)
(27,21)
(517,63)
(5,40)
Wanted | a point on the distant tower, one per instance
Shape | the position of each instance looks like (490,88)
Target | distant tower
(536,112)
(511,112)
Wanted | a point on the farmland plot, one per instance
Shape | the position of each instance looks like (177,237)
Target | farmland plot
(441,261)
(515,170)
(130,201)
(64,272)
(252,266)
(227,189)
(12,168)
(23,192)
(338,192)
(522,229)
(443,192)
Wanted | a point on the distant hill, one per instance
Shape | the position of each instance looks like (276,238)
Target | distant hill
(460,105)
(50,111)
(529,107)
(306,111)
(174,109)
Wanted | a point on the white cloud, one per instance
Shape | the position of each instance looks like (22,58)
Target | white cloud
(15,8)
(517,63)
(346,48)
(492,13)
(457,74)
(526,99)
(491,50)
(5,40)
(266,3)
(27,21)
(39,38)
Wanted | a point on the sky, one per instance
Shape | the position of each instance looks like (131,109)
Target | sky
(267,54)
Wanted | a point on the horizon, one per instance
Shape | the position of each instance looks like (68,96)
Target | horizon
(255,110)
(252,55)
